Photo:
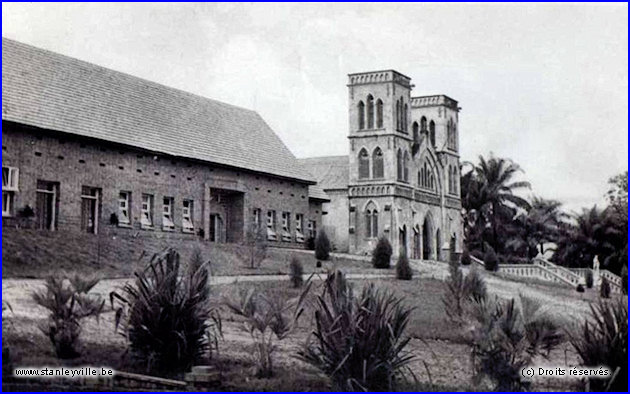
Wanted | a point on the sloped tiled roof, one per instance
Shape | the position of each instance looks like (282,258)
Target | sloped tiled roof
(317,193)
(331,172)
(51,91)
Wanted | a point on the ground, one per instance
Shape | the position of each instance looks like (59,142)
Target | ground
(442,355)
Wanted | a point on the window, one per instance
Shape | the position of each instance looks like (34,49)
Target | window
(271,226)
(416,132)
(47,205)
(124,202)
(432,133)
(187,216)
(398,114)
(364,164)
(299,229)
(405,111)
(167,214)
(399,166)
(426,179)
(90,209)
(256,217)
(377,163)
(370,111)
(146,220)
(379,114)
(361,115)
(312,228)
(406,167)
(371,221)
(423,125)
(286,226)
(10,179)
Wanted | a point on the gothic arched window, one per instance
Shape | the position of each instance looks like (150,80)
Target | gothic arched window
(432,132)
(364,164)
(398,110)
(406,167)
(399,166)
(377,163)
(405,110)
(416,132)
(361,115)
(379,113)
(370,111)
(371,221)
(423,124)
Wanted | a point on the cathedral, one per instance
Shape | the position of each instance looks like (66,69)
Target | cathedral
(401,177)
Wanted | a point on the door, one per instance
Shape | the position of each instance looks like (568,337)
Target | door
(216,227)
(47,205)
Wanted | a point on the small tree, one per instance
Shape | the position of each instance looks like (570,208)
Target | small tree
(322,246)
(68,306)
(256,244)
(296,272)
(604,288)
(490,259)
(267,318)
(403,269)
(589,279)
(465,259)
(382,254)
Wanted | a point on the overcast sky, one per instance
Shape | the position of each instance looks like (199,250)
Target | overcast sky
(543,84)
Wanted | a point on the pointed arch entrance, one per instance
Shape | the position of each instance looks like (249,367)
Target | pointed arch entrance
(402,239)
(427,238)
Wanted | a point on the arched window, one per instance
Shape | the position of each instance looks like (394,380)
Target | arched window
(416,132)
(379,113)
(432,132)
(406,167)
(399,162)
(450,179)
(377,163)
(405,110)
(371,221)
(423,124)
(426,177)
(370,111)
(364,164)
(361,115)
(397,115)
(454,136)
(455,180)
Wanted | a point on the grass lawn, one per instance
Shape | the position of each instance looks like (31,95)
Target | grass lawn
(438,345)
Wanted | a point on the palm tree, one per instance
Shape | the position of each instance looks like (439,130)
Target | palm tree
(593,233)
(490,194)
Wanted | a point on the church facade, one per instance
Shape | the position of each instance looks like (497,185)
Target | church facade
(401,177)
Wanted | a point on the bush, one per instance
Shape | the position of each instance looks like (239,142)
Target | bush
(589,279)
(26,212)
(322,246)
(465,259)
(461,291)
(604,288)
(310,243)
(603,340)
(475,286)
(68,306)
(359,343)
(382,254)
(318,264)
(166,315)
(508,337)
(255,243)
(266,318)
(580,288)
(296,272)
(403,269)
(624,279)
(490,259)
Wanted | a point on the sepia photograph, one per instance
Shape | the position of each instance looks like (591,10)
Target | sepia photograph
(324,197)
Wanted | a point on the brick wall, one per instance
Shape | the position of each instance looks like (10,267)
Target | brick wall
(75,162)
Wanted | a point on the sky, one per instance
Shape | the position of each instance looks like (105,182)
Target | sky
(545,85)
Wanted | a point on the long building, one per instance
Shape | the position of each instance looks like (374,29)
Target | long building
(85,148)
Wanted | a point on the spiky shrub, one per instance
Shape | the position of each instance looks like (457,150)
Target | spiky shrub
(490,259)
(266,319)
(603,340)
(255,243)
(465,259)
(359,343)
(455,294)
(509,336)
(475,288)
(166,314)
(296,272)
(322,246)
(68,303)
(589,279)
(604,288)
(403,269)
(382,253)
